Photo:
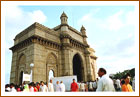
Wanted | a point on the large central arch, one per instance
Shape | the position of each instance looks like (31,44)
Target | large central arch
(78,67)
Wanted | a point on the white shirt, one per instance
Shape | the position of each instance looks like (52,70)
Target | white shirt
(82,86)
(94,84)
(50,87)
(8,89)
(58,89)
(13,89)
(62,87)
(31,89)
(117,82)
(90,85)
(43,88)
(105,84)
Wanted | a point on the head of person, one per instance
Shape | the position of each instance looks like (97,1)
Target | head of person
(127,78)
(101,72)
(37,84)
(12,85)
(57,82)
(50,80)
(7,86)
(42,83)
(61,82)
(74,80)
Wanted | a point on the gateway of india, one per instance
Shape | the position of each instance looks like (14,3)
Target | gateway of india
(62,49)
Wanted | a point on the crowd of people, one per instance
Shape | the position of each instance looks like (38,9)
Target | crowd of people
(105,83)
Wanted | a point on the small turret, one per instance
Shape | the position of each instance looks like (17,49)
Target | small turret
(63,18)
(83,31)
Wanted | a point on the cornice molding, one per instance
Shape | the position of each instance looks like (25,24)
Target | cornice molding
(36,39)
(38,26)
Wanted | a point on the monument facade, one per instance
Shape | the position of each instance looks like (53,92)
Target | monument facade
(62,49)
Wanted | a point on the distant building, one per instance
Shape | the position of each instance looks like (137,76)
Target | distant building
(63,50)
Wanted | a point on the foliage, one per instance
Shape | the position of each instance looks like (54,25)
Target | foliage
(120,75)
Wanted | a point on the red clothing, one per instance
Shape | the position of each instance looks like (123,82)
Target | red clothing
(74,87)
(35,89)
(38,87)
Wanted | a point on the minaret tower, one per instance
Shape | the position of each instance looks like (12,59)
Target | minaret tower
(83,31)
(63,18)
(64,23)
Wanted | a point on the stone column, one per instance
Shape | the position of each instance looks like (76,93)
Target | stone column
(88,68)
(66,61)
(13,74)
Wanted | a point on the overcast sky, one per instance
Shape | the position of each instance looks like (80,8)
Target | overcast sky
(111,30)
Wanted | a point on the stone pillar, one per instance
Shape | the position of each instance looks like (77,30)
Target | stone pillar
(66,61)
(13,74)
(88,68)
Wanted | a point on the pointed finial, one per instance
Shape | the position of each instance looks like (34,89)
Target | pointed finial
(63,15)
(82,28)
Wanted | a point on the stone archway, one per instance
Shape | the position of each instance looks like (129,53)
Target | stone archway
(21,68)
(78,67)
(51,65)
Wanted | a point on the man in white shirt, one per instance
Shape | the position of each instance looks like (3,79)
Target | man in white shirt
(50,86)
(12,88)
(105,83)
(117,82)
(58,89)
(90,86)
(82,86)
(62,87)
(43,88)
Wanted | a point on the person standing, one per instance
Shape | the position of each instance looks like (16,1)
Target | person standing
(82,86)
(26,88)
(74,86)
(127,87)
(50,86)
(90,86)
(118,86)
(62,87)
(7,88)
(38,87)
(58,89)
(43,87)
(12,88)
(105,83)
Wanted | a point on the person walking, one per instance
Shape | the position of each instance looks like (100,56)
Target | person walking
(50,86)
(43,87)
(62,87)
(58,89)
(12,88)
(127,87)
(105,83)
(82,86)
(74,86)
(118,86)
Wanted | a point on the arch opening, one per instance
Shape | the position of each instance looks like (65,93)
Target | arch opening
(77,67)
(21,77)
